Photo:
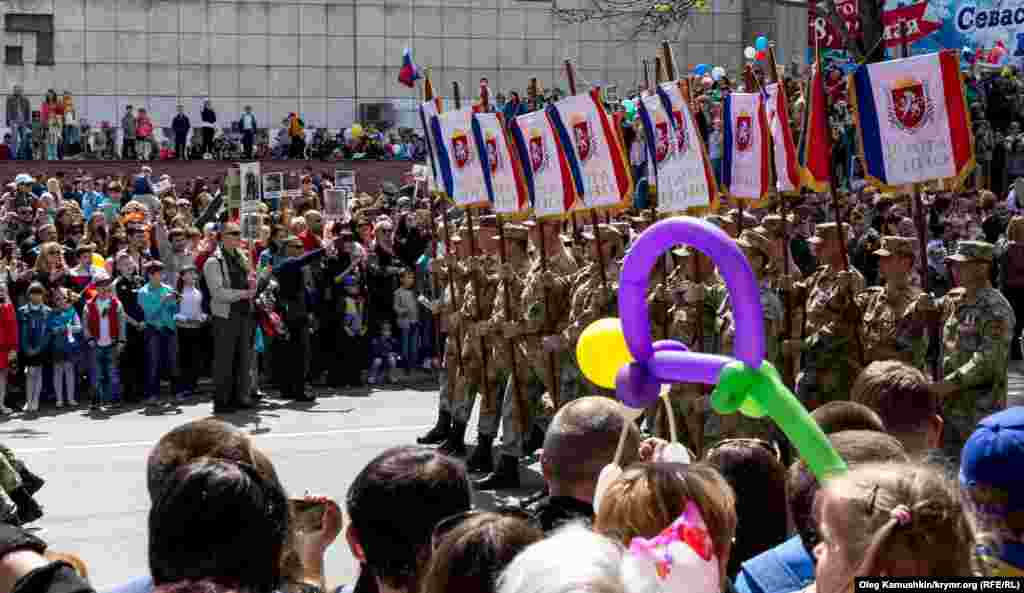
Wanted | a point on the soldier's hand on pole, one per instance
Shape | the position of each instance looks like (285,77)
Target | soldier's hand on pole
(926,303)
(553,343)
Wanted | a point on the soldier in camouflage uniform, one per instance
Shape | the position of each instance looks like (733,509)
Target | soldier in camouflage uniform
(977,323)
(544,315)
(893,327)
(440,269)
(481,275)
(758,250)
(693,315)
(511,274)
(831,352)
(594,296)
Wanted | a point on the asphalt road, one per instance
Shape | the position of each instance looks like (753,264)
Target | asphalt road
(95,496)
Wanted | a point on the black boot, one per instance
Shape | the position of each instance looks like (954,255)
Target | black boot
(29,480)
(29,510)
(439,433)
(455,445)
(536,441)
(503,478)
(481,461)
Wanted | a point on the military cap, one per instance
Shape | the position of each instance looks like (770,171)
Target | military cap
(604,231)
(772,225)
(827,230)
(754,240)
(515,232)
(900,246)
(972,251)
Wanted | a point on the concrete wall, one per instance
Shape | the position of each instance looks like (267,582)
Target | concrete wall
(322,57)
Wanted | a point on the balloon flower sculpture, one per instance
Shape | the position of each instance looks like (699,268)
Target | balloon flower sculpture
(619,353)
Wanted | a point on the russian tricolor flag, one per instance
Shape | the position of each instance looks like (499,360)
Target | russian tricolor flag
(912,120)
(409,73)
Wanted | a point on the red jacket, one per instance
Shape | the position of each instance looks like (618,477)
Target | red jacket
(8,328)
(92,319)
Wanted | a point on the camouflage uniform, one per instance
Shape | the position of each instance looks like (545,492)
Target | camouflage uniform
(688,320)
(483,277)
(739,425)
(976,335)
(500,368)
(831,361)
(892,327)
(593,297)
(542,317)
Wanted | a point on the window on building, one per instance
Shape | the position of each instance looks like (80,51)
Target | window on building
(13,56)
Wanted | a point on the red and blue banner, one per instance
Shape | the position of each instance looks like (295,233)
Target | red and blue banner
(912,120)
(549,181)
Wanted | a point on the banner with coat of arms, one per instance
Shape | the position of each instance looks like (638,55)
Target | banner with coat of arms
(912,120)
(684,177)
(502,175)
(745,150)
(596,158)
(545,169)
(458,160)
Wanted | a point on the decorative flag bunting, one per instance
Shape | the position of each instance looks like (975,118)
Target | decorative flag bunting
(596,158)
(816,145)
(458,159)
(545,169)
(683,173)
(744,146)
(409,73)
(502,175)
(912,120)
(787,169)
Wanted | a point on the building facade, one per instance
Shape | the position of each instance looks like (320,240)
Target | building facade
(337,60)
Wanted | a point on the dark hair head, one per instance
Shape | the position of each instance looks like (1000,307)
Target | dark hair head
(219,521)
(900,394)
(856,447)
(838,416)
(758,478)
(209,437)
(582,439)
(395,502)
(469,558)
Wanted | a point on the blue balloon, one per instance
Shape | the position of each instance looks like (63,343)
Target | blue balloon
(701,69)
(761,43)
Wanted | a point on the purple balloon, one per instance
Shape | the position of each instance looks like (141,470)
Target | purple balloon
(667,360)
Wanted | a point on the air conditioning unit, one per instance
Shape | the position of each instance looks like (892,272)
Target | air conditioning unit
(381,115)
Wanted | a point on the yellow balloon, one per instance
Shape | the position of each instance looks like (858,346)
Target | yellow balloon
(357,130)
(602,351)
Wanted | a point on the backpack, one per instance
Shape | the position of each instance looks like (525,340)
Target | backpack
(1015,266)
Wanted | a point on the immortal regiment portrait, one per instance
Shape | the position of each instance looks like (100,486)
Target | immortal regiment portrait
(744,329)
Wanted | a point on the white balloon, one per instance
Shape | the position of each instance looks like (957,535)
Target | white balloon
(720,71)
(750,53)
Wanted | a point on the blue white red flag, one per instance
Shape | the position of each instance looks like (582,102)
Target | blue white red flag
(912,120)
(409,73)
(745,146)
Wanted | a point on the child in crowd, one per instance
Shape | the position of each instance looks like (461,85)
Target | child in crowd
(33,340)
(190,319)
(355,322)
(105,330)
(407,311)
(8,343)
(384,353)
(128,384)
(65,328)
(159,304)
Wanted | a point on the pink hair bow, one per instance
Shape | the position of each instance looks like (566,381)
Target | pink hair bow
(681,559)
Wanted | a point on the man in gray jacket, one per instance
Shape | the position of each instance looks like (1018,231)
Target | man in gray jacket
(128,133)
(232,286)
(19,119)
